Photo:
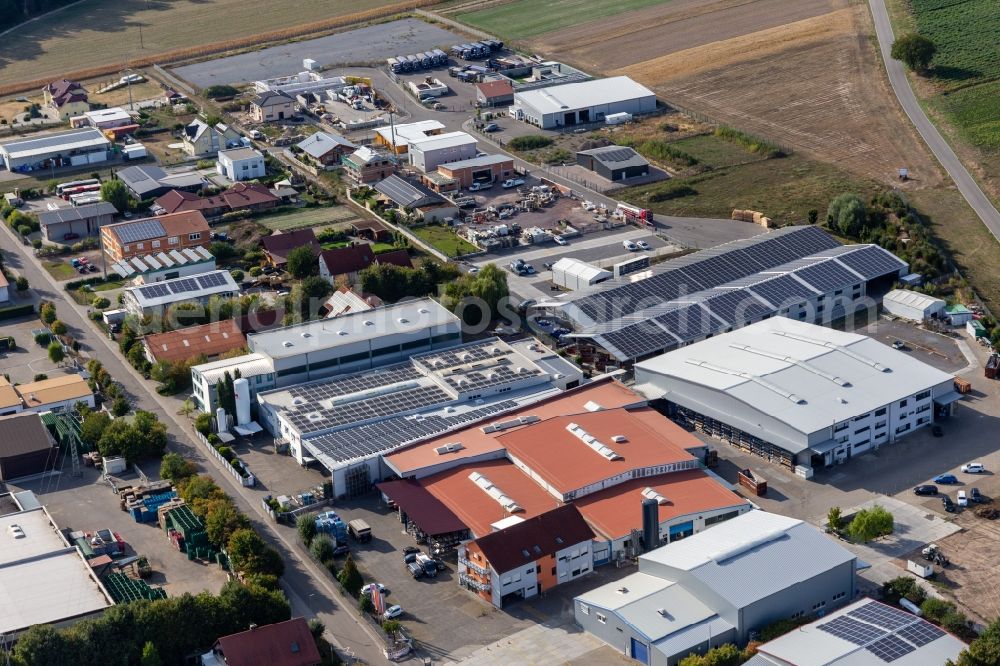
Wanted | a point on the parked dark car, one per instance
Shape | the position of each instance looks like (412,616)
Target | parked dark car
(948,505)
(409,558)
(925,490)
(976,496)
(945,479)
(411,549)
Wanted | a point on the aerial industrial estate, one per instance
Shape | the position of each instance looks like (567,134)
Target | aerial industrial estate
(430,336)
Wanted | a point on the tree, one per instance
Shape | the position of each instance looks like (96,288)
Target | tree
(847,215)
(120,406)
(915,51)
(42,645)
(469,293)
(93,427)
(250,554)
(316,287)
(150,655)
(116,194)
(58,327)
(983,651)
(175,468)
(222,520)
(56,354)
(21,283)
(203,423)
(322,548)
(833,518)
(47,313)
(869,524)
(391,628)
(306,527)
(350,577)
(723,655)
(365,604)
(302,262)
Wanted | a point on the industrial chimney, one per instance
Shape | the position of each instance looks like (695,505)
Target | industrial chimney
(650,524)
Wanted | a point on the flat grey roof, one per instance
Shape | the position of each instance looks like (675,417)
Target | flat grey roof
(616,157)
(76,213)
(241,153)
(582,95)
(72,140)
(485,160)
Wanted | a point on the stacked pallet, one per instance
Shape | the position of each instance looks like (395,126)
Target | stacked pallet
(756,217)
(142,502)
(124,589)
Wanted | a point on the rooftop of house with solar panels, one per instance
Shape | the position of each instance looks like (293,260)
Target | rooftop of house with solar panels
(345,419)
(789,272)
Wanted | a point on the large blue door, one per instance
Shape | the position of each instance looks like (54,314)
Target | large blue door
(640,651)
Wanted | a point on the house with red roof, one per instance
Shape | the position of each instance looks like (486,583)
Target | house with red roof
(66,98)
(288,643)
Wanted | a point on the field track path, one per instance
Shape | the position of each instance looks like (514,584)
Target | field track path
(966,184)
(39,17)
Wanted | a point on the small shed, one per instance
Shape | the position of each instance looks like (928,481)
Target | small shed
(913,305)
(974,328)
(575,274)
(958,314)
(614,162)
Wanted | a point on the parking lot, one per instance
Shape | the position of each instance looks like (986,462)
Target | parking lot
(87,504)
(936,349)
(29,358)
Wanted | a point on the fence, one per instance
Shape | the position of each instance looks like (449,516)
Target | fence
(248,481)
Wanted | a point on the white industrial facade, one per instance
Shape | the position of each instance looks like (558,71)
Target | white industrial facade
(427,153)
(912,305)
(240,164)
(582,103)
(74,147)
(797,393)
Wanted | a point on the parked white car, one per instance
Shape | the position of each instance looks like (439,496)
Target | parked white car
(973,468)
(630,246)
(392,611)
(560,240)
(643,245)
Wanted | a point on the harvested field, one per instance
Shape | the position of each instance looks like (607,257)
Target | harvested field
(814,85)
(308,217)
(96,37)
(526,18)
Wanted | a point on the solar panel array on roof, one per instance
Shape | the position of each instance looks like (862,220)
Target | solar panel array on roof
(884,616)
(888,633)
(890,648)
(332,388)
(828,276)
(140,230)
(921,633)
(389,404)
(210,280)
(736,307)
(852,631)
(782,290)
(384,436)
(871,262)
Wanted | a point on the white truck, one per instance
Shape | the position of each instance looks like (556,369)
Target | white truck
(513,182)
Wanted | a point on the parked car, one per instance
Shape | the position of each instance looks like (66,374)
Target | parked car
(441,566)
(898,344)
(544,323)
(393,611)
(378,586)
(529,269)
(937,431)
(92,268)
(948,505)
(559,332)
(630,246)
(925,490)
(415,569)
(473,270)
(963,499)
(513,182)
(411,549)
(643,245)
(976,496)
(973,468)
(409,558)
(945,479)
(548,265)
(560,240)
(491,127)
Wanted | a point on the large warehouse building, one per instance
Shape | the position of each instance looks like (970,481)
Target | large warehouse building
(61,149)
(347,422)
(719,586)
(797,393)
(797,272)
(582,103)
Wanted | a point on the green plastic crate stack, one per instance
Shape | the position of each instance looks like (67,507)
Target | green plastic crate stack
(124,589)
(184,521)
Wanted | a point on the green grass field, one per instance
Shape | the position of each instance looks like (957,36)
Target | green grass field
(60,270)
(784,189)
(967,64)
(445,240)
(307,217)
(527,18)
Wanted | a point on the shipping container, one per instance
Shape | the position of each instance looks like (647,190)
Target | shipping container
(755,484)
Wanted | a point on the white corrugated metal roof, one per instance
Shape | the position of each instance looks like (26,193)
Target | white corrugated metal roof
(442,141)
(54,143)
(580,269)
(558,98)
(913,299)
(409,131)
(250,365)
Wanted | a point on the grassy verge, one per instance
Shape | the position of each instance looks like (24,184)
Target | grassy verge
(60,270)
(445,240)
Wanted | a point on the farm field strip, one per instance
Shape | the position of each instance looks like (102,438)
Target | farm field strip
(527,18)
(966,35)
(308,217)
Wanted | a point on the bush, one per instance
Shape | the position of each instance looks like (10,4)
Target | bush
(58,327)
(671,191)
(322,548)
(100,302)
(43,339)
(750,142)
(256,271)
(530,142)
(213,439)
(203,423)
(40,377)
(237,275)
(306,527)
(664,152)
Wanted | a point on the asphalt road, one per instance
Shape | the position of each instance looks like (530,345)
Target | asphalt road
(942,151)
(309,589)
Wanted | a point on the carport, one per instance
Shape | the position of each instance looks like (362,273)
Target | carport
(944,405)
(424,516)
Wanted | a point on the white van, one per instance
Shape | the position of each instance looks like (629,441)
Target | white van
(963,499)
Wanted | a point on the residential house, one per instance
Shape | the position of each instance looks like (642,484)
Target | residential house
(148,181)
(271,105)
(56,394)
(365,166)
(240,164)
(525,558)
(202,140)
(347,301)
(397,138)
(347,262)
(288,643)
(65,224)
(240,197)
(26,447)
(408,196)
(208,340)
(278,245)
(326,148)
(136,238)
(494,93)
(66,98)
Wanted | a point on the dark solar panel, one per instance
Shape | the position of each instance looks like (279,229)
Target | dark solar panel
(211,280)
(688,322)
(782,291)
(183,286)
(890,648)
(638,341)
(921,633)
(154,291)
(872,262)
(737,307)
(140,230)
(884,616)
(828,276)
(850,630)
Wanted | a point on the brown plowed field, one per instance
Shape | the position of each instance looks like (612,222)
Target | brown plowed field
(803,74)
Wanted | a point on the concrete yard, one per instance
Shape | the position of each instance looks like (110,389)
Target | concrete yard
(87,503)
(372,43)
(29,359)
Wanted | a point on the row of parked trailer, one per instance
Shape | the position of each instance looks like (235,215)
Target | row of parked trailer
(476,49)
(414,63)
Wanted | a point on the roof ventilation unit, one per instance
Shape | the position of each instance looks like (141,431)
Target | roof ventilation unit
(286,343)
(649,493)
(500,426)
(619,439)
(451,447)
(592,406)
(592,442)
(307,335)
(403,320)
(509,505)
(341,332)
(423,311)
(369,322)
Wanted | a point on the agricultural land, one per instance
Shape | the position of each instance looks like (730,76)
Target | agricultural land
(101,35)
